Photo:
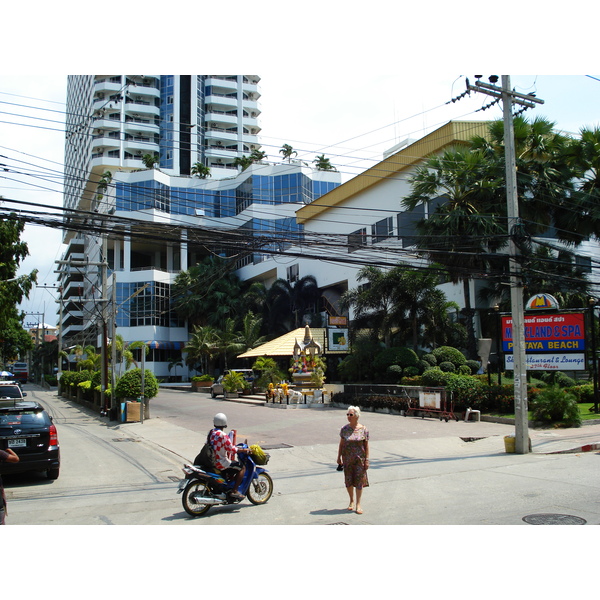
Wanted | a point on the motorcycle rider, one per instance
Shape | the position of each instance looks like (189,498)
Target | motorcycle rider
(225,454)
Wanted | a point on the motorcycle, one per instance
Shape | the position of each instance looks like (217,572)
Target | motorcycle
(202,489)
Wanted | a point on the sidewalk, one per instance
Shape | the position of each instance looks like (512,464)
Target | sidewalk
(184,444)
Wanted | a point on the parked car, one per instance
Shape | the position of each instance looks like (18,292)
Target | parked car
(11,390)
(28,430)
(216,389)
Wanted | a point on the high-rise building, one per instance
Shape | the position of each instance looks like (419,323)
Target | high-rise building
(161,150)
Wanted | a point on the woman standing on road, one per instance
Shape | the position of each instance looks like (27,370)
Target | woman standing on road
(353,454)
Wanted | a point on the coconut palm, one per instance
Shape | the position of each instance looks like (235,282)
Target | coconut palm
(463,228)
(150,160)
(202,347)
(200,170)
(242,161)
(323,164)
(288,152)
(258,155)
(289,303)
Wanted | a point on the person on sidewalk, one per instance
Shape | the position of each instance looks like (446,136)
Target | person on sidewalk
(353,454)
(225,454)
(7,455)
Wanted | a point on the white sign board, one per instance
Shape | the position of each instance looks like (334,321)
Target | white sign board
(430,400)
(549,362)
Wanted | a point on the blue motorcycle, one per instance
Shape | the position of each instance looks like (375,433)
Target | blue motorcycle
(203,489)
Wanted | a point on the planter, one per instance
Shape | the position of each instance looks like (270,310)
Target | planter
(198,385)
(231,394)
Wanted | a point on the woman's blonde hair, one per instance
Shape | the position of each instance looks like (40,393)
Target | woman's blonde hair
(355,409)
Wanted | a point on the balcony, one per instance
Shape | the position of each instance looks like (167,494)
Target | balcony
(221,118)
(222,100)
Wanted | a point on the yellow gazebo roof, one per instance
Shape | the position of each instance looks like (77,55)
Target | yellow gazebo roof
(284,345)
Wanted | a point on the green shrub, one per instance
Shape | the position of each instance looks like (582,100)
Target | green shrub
(411,371)
(394,373)
(404,357)
(204,377)
(130,384)
(434,377)
(449,354)
(447,366)
(557,378)
(584,393)
(555,405)
(473,366)
(430,359)
(465,370)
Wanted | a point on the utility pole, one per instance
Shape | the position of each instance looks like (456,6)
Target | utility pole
(509,98)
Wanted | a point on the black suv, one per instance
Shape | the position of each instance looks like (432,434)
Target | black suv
(27,429)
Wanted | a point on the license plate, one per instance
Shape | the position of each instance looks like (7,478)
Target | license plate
(18,443)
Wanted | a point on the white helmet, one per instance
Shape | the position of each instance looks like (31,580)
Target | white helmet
(220,420)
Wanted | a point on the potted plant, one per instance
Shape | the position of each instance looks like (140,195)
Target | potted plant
(202,381)
(233,383)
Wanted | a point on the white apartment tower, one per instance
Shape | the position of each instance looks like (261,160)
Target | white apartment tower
(113,122)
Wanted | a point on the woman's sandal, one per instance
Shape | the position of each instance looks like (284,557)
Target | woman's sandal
(351,506)
(359,511)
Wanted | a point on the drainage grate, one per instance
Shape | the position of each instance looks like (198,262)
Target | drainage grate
(552,519)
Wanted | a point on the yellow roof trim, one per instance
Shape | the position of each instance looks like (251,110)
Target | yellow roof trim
(454,132)
(284,345)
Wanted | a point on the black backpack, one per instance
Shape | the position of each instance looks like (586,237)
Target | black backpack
(206,458)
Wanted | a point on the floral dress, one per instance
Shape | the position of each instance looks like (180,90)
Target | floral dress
(354,455)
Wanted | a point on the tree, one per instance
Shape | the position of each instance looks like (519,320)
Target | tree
(208,293)
(150,160)
(288,152)
(242,161)
(257,155)
(200,170)
(289,303)
(249,336)
(323,164)
(12,288)
(463,228)
(202,347)
(269,371)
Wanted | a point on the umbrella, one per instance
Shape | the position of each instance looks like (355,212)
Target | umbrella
(6,374)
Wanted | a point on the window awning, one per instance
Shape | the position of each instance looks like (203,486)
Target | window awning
(158,345)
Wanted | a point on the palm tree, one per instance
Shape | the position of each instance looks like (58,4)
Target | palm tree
(207,293)
(323,164)
(202,347)
(288,152)
(242,161)
(257,155)
(463,229)
(249,336)
(374,302)
(200,170)
(150,160)
(289,303)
